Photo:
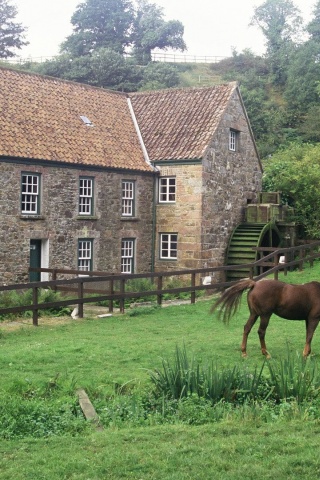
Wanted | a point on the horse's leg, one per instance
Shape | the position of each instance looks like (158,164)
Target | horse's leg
(264,322)
(247,329)
(311,325)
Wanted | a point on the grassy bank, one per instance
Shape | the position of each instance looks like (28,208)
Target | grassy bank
(42,367)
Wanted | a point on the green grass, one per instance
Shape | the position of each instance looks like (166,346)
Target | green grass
(43,366)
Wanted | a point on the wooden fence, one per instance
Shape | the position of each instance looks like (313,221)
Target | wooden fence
(96,287)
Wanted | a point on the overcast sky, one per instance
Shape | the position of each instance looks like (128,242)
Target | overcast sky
(212,27)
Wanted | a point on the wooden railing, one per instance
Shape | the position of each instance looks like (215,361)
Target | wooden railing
(112,287)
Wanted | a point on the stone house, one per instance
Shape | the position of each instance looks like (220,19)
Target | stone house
(101,180)
(201,141)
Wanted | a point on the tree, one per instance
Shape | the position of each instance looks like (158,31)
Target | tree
(117,25)
(151,31)
(295,172)
(11,33)
(313,27)
(104,68)
(100,24)
(280,22)
(157,75)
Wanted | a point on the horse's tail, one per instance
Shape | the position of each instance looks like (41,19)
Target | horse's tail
(230,299)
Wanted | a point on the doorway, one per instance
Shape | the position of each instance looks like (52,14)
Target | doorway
(35,260)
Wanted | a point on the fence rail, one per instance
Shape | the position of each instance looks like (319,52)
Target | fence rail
(112,287)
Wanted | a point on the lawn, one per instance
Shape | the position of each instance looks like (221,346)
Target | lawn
(46,364)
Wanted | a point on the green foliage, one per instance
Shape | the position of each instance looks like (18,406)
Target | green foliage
(293,377)
(12,298)
(100,24)
(159,75)
(151,31)
(12,34)
(295,173)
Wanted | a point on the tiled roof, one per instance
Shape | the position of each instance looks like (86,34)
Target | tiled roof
(40,119)
(179,123)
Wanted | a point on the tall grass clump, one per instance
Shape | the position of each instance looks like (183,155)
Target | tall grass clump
(184,378)
(294,377)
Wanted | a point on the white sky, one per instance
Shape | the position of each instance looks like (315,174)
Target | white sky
(212,27)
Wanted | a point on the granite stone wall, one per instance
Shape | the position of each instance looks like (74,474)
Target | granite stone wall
(59,226)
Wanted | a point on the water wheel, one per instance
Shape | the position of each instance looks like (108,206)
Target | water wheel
(244,237)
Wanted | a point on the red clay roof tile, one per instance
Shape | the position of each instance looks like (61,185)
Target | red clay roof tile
(178,124)
(40,119)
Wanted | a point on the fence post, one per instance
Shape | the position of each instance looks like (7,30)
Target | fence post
(111,293)
(193,284)
(276,264)
(54,278)
(35,302)
(122,290)
(301,255)
(159,296)
(80,296)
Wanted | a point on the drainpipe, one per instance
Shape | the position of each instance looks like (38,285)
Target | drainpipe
(154,223)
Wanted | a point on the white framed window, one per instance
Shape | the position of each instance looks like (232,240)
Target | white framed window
(233,140)
(85,196)
(85,250)
(127,201)
(127,255)
(169,246)
(30,193)
(167,189)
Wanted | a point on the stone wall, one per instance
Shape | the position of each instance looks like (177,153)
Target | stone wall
(60,226)
(211,195)
(183,217)
(231,180)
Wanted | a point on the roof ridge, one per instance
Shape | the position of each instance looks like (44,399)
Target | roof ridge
(232,84)
(60,80)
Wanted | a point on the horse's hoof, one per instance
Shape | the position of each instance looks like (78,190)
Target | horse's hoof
(244,354)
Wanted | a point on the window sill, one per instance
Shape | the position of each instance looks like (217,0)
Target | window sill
(129,219)
(31,217)
(86,217)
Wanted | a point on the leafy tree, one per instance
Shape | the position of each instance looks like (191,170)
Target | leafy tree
(295,172)
(100,24)
(313,27)
(104,68)
(151,31)
(11,33)
(159,75)
(280,22)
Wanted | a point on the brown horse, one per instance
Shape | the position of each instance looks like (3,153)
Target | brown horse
(265,297)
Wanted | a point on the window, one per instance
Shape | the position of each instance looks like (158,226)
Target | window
(233,140)
(30,193)
(127,255)
(169,246)
(85,248)
(167,189)
(127,208)
(85,196)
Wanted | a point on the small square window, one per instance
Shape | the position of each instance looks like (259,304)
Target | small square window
(167,189)
(169,246)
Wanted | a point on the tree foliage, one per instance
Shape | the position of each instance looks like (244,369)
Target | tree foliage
(280,22)
(295,172)
(151,31)
(12,34)
(117,25)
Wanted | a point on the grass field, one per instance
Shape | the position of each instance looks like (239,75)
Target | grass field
(48,363)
